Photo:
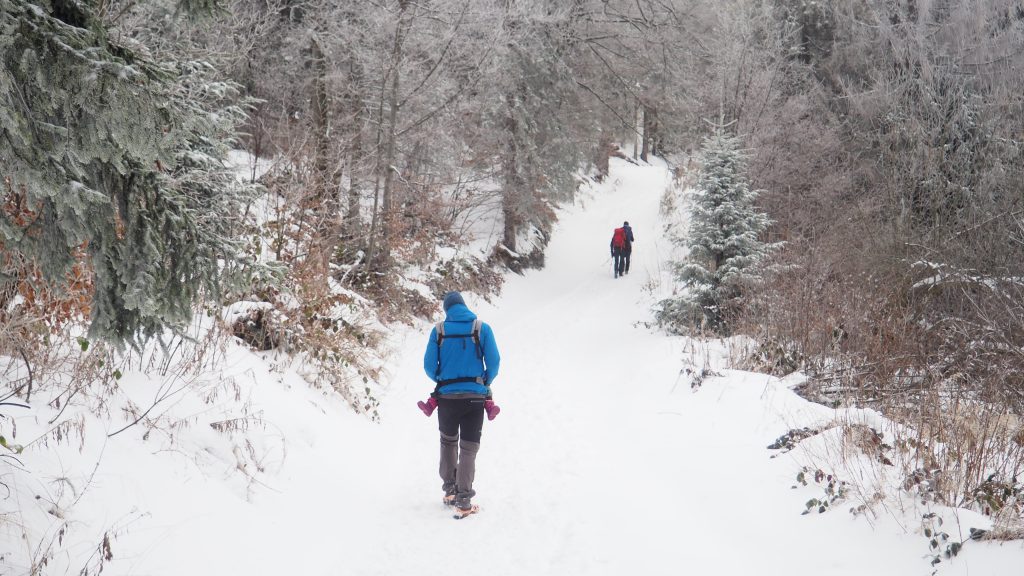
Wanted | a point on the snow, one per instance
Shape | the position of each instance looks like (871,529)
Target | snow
(232,313)
(247,166)
(604,460)
(943,274)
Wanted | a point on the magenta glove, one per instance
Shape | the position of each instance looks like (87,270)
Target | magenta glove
(491,408)
(428,406)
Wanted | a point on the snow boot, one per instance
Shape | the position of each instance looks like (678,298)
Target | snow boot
(428,406)
(461,513)
(492,409)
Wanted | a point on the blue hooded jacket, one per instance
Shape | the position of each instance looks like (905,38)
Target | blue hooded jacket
(459,355)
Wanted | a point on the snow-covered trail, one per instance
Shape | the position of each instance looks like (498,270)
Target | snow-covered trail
(602,462)
(577,461)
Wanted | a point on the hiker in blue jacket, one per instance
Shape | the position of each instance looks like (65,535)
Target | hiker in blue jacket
(462,359)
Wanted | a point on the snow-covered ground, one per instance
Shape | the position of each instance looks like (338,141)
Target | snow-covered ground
(603,460)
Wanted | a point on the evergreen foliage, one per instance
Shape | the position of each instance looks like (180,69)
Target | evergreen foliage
(724,241)
(104,150)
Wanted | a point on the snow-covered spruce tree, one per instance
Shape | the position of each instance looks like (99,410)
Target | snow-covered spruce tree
(724,241)
(108,153)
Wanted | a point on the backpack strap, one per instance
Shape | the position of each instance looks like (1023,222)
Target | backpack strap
(475,332)
(439,330)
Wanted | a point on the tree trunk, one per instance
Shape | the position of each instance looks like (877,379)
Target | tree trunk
(371,250)
(324,199)
(318,105)
(646,148)
(388,165)
(354,108)
(604,149)
(656,137)
(512,189)
(637,119)
(355,154)
(382,258)
(510,199)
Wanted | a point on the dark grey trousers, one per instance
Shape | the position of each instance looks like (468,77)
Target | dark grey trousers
(460,421)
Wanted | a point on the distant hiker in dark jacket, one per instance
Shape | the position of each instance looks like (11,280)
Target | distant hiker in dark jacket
(462,359)
(629,245)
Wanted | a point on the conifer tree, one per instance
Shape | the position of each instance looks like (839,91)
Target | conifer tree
(724,240)
(106,152)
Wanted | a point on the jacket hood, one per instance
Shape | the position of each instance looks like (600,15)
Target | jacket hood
(459,313)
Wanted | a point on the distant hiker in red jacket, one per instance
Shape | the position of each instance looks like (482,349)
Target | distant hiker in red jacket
(618,247)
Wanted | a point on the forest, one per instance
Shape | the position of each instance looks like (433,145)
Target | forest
(300,162)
